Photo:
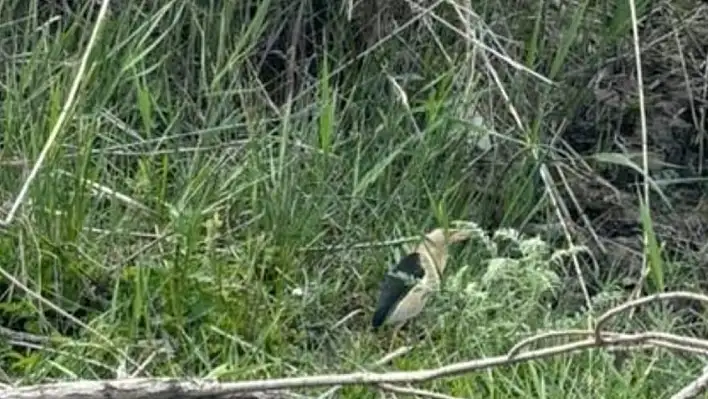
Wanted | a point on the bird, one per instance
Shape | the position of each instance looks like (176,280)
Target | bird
(407,285)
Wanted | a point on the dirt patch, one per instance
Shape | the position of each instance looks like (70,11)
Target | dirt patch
(607,133)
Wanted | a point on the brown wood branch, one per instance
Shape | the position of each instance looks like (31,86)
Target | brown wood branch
(138,388)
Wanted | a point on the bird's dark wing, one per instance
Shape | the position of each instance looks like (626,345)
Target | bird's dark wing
(396,284)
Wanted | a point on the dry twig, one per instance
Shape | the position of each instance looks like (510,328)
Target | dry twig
(602,320)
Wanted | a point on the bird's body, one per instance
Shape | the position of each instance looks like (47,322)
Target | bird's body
(400,281)
(407,285)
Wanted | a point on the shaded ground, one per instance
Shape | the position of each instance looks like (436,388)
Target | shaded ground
(608,130)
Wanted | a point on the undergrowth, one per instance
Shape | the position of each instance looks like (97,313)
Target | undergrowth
(180,224)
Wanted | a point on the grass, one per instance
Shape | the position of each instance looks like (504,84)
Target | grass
(178,214)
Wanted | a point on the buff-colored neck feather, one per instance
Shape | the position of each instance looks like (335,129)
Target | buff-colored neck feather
(433,251)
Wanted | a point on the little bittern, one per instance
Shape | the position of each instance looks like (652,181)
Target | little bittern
(406,286)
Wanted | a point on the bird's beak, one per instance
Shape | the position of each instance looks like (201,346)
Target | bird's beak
(462,224)
(462,230)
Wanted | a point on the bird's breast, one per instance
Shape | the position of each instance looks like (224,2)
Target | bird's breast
(411,305)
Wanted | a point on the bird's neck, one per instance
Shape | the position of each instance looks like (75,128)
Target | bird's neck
(437,265)
(435,253)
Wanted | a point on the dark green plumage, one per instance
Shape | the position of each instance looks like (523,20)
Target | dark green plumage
(396,284)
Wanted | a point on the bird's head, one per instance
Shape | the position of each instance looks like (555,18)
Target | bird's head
(435,245)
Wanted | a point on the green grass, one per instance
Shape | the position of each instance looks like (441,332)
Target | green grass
(178,215)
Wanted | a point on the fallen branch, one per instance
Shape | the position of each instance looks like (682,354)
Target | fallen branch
(139,388)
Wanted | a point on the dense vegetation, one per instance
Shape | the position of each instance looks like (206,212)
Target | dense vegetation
(222,190)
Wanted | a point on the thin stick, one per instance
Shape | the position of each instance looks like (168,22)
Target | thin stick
(415,392)
(602,320)
(390,356)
